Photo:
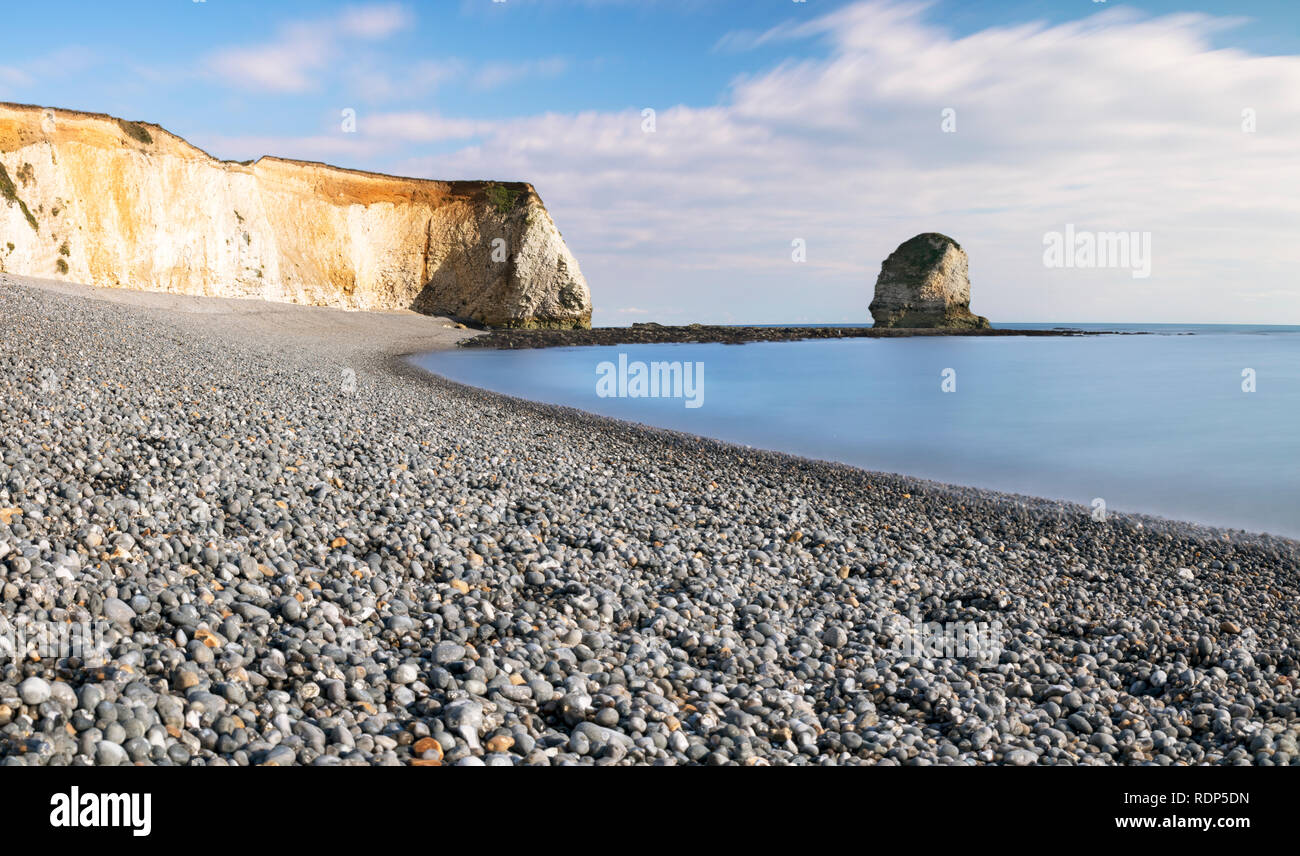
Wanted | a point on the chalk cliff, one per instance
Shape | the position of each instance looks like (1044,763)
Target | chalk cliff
(925,283)
(99,200)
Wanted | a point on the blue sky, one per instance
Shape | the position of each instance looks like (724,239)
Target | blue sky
(775,122)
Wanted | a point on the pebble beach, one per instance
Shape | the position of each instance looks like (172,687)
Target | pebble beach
(297,548)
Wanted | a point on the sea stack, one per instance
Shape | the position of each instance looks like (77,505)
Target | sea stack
(925,283)
(105,202)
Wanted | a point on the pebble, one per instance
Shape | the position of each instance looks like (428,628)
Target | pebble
(34,691)
(109,753)
(414,572)
(118,612)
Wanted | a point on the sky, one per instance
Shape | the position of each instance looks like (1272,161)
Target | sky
(792,145)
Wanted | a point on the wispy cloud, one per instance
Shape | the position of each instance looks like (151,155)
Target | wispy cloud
(374,83)
(848,153)
(306,55)
(12,76)
(293,61)
(373,22)
(493,75)
(64,61)
(422,127)
(841,144)
(341,148)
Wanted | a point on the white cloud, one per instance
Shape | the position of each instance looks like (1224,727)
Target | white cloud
(303,50)
(61,62)
(374,22)
(419,127)
(324,147)
(375,84)
(495,74)
(307,55)
(11,76)
(1114,122)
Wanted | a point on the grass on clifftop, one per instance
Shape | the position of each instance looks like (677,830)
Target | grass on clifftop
(136,131)
(10,193)
(503,199)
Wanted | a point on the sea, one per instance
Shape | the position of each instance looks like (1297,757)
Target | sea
(1196,422)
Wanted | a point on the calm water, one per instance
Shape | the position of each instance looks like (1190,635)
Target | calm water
(1152,423)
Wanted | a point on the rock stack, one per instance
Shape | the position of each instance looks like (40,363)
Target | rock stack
(924,283)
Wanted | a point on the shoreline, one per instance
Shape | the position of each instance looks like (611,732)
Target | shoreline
(402,364)
(652,333)
(531,584)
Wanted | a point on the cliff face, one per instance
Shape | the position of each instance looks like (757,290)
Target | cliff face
(94,199)
(925,283)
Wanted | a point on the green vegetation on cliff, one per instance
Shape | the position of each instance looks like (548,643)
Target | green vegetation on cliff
(10,193)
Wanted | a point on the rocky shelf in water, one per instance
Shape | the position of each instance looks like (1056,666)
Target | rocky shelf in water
(649,334)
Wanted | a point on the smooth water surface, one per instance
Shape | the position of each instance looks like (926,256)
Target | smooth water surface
(1153,423)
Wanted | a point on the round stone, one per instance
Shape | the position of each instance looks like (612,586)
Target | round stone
(34,691)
